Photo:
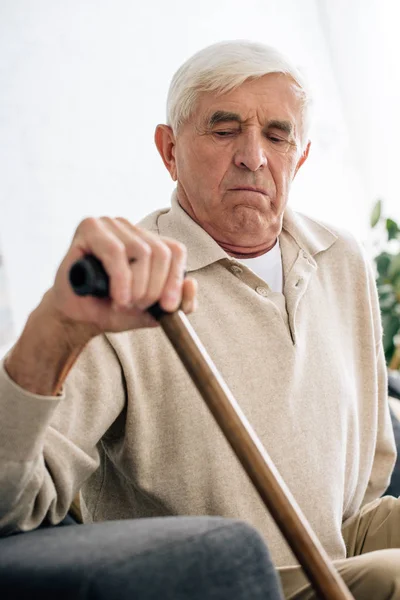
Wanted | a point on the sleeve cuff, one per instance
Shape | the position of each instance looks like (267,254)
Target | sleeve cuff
(24,418)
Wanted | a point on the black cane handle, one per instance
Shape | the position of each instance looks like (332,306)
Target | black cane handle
(88,277)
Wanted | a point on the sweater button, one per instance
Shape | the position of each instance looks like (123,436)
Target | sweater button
(236,270)
(262,291)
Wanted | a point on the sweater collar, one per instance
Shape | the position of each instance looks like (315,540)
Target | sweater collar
(203,250)
(311,236)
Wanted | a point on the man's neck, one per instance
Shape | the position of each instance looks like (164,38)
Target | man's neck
(243,252)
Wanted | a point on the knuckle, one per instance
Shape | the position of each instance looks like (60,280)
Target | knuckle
(124,221)
(116,248)
(143,249)
(108,223)
(161,251)
(178,248)
(88,224)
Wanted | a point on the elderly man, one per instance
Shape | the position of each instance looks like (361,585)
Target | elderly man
(93,398)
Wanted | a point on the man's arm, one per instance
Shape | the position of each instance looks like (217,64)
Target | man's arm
(385,449)
(49,444)
(43,424)
(48,347)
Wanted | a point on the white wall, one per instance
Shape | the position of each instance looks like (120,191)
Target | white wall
(364,46)
(83,84)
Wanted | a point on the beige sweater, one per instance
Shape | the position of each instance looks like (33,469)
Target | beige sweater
(131,430)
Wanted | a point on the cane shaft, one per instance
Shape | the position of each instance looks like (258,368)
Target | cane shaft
(256,462)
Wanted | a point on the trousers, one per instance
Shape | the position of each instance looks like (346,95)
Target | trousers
(371,569)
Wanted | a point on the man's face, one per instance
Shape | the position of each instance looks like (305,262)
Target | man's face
(235,159)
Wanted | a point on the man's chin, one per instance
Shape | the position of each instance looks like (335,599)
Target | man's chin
(253,216)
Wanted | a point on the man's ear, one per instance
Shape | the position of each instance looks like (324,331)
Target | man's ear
(165,142)
(302,159)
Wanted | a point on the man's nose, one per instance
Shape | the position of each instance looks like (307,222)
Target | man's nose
(250,153)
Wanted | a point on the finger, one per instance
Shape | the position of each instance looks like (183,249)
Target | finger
(168,261)
(160,265)
(160,261)
(138,253)
(171,295)
(93,237)
(189,295)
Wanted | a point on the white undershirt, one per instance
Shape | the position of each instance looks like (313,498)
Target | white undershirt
(268,266)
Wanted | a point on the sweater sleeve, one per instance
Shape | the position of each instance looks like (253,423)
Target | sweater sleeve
(385,448)
(49,445)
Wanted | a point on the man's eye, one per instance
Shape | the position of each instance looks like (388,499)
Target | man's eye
(277,140)
(226,132)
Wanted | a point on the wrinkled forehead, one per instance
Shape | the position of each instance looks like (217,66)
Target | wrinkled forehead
(273,96)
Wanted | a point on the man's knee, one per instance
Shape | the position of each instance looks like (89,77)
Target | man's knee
(384,574)
(373,575)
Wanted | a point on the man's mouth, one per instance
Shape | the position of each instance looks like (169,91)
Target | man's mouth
(250,189)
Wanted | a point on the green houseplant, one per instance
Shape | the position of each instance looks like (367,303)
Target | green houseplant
(387,261)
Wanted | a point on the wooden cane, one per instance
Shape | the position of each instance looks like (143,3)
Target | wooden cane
(249,450)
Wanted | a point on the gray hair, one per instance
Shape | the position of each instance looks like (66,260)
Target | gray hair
(222,67)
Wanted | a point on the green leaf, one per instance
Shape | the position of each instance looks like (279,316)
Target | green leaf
(382,263)
(376,213)
(396,285)
(391,325)
(392,229)
(394,267)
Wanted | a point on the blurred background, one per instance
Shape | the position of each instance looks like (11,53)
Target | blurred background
(83,83)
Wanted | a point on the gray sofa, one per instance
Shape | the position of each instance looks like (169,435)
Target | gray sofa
(170,558)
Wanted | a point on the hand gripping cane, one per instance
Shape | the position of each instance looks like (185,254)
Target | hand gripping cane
(88,277)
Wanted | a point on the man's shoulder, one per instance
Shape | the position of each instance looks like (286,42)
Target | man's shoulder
(342,239)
